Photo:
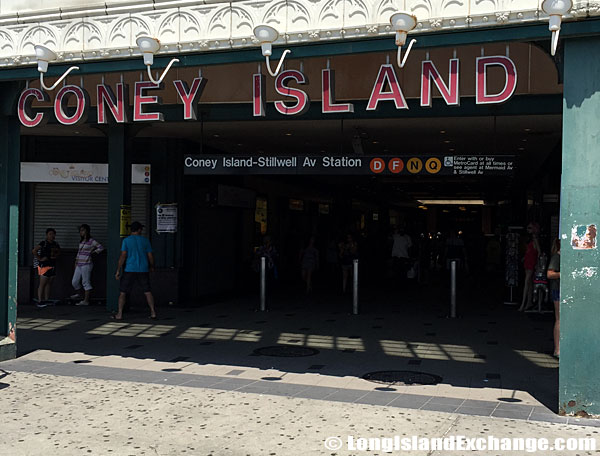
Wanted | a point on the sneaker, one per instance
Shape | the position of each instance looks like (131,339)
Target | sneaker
(41,304)
(76,296)
(83,303)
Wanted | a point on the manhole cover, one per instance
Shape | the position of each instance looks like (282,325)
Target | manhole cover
(288,351)
(403,378)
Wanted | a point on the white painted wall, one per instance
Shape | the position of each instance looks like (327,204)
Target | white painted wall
(94,30)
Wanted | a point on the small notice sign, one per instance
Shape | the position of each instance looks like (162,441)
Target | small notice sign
(166,218)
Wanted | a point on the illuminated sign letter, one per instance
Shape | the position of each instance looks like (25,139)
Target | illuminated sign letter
(386,74)
(258,91)
(27,116)
(510,81)
(118,105)
(449,92)
(302,101)
(328,95)
(82,101)
(140,100)
(190,96)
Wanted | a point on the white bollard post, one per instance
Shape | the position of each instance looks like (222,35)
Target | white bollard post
(263,284)
(453,289)
(355,289)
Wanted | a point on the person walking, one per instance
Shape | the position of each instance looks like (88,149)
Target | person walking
(309,262)
(529,262)
(84,265)
(136,261)
(348,251)
(554,277)
(45,254)
(401,244)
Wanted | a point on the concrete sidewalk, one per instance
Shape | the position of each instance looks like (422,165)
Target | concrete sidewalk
(74,415)
(494,355)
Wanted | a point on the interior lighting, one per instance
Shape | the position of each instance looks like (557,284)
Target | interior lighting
(149,47)
(453,202)
(556,9)
(266,35)
(402,23)
(44,56)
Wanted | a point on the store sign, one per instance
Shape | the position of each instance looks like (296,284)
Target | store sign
(113,105)
(78,173)
(350,165)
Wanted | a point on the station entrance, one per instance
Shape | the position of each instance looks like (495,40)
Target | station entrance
(498,173)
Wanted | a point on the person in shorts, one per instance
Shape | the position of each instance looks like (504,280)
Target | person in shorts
(45,254)
(136,261)
(554,276)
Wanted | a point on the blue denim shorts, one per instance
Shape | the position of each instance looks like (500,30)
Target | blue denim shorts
(555,295)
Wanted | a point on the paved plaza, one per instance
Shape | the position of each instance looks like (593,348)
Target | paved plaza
(200,381)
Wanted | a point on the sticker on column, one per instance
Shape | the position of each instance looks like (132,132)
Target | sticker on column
(583,237)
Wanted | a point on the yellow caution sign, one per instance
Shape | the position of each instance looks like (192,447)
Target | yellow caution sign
(414,165)
(433,165)
(125,220)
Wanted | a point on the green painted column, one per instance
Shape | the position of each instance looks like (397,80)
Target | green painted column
(120,140)
(579,377)
(9,219)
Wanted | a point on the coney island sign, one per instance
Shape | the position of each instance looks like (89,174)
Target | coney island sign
(113,104)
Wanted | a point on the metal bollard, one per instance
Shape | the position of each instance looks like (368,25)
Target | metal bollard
(263,284)
(453,289)
(355,289)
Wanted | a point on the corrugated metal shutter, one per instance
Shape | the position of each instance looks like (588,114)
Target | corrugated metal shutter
(66,206)
(140,200)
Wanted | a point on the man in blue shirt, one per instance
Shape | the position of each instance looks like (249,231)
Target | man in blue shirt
(137,257)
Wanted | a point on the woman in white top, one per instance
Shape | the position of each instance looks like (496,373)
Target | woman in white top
(84,265)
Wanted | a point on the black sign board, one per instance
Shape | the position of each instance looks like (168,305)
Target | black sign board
(351,165)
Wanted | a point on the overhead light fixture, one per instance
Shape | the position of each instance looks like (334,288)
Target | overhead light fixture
(556,9)
(402,23)
(44,56)
(453,202)
(266,35)
(150,46)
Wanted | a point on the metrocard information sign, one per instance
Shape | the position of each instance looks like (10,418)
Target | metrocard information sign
(460,165)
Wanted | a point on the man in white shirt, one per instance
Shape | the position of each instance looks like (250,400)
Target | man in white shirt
(401,243)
